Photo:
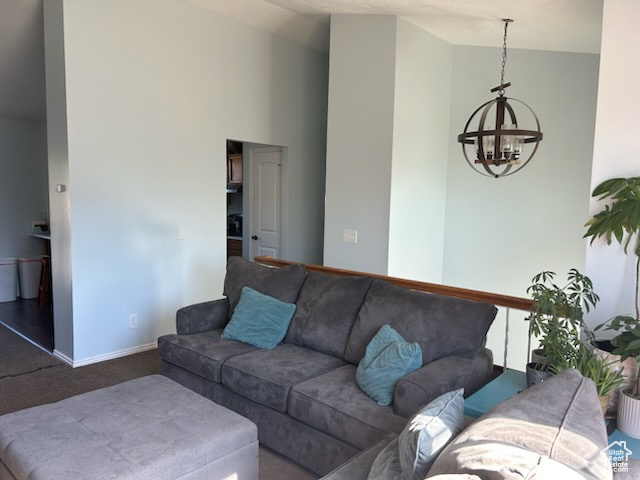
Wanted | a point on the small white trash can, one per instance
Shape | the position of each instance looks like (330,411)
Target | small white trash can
(8,279)
(29,270)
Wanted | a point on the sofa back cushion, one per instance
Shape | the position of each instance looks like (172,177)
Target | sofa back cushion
(441,325)
(281,283)
(325,312)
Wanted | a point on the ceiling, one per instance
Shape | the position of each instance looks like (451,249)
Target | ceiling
(559,25)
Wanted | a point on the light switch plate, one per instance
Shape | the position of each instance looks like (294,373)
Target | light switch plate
(350,236)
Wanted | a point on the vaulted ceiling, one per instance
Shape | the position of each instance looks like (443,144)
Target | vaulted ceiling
(560,25)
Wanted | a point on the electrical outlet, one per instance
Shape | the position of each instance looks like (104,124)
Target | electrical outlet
(133,320)
(350,236)
(179,233)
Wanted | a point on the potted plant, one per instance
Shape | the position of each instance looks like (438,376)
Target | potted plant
(596,368)
(620,220)
(556,318)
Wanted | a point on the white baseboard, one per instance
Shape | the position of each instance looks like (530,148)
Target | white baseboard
(107,356)
(63,357)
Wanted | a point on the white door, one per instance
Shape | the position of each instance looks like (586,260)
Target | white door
(264,237)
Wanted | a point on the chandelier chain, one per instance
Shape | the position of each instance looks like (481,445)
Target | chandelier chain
(504,55)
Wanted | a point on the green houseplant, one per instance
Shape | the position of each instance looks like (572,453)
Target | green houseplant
(620,220)
(556,317)
(597,369)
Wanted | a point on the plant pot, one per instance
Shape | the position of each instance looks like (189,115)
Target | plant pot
(629,414)
(629,368)
(537,357)
(535,375)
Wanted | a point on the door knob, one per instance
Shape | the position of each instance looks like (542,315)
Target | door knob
(254,237)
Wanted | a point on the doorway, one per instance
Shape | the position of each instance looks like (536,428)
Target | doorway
(235,199)
(254,199)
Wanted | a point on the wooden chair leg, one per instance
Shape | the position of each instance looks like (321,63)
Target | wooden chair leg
(45,281)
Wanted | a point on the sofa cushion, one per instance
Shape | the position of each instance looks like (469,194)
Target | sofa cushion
(259,320)
(410,456)
(440,376)
(326,309)
(388,358)
(282,283)
(358,467)
(334,404)
(428,432)
(552,430)
(441,325)
(386,465)
(201,353)
(265,376)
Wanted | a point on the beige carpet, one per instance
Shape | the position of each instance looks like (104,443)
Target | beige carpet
(43,380)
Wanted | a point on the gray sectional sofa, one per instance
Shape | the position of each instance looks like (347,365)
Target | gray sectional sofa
(553,430)
(302,394)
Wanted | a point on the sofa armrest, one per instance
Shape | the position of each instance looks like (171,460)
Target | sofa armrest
(417,389)
(202,317)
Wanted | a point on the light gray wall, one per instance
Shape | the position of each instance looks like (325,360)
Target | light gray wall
(360,140)
(420,151)
(149,111)
(387,144)
(23,185)
(58,161)
(616,152)
(500,232)
(448,224)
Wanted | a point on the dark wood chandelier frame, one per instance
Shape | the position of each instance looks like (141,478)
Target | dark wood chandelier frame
(509,161)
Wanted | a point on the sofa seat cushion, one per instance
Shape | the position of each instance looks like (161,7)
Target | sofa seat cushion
(553,430)
(325,312)
(387,466)
(201,353)
(334,404)
(358,467)
(441,325)
(266,376)
(281,283)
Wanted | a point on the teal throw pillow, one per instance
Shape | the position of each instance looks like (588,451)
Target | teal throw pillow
(259,319)
(388,358)
(428,432)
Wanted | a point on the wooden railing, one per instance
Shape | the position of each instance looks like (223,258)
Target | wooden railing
(476,295)
(506,301)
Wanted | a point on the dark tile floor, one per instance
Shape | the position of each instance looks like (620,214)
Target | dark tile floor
(25,317)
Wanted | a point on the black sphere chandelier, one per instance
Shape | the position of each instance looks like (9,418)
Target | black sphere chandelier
(497,147)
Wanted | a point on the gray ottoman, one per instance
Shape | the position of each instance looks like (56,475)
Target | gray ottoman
(148,428)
